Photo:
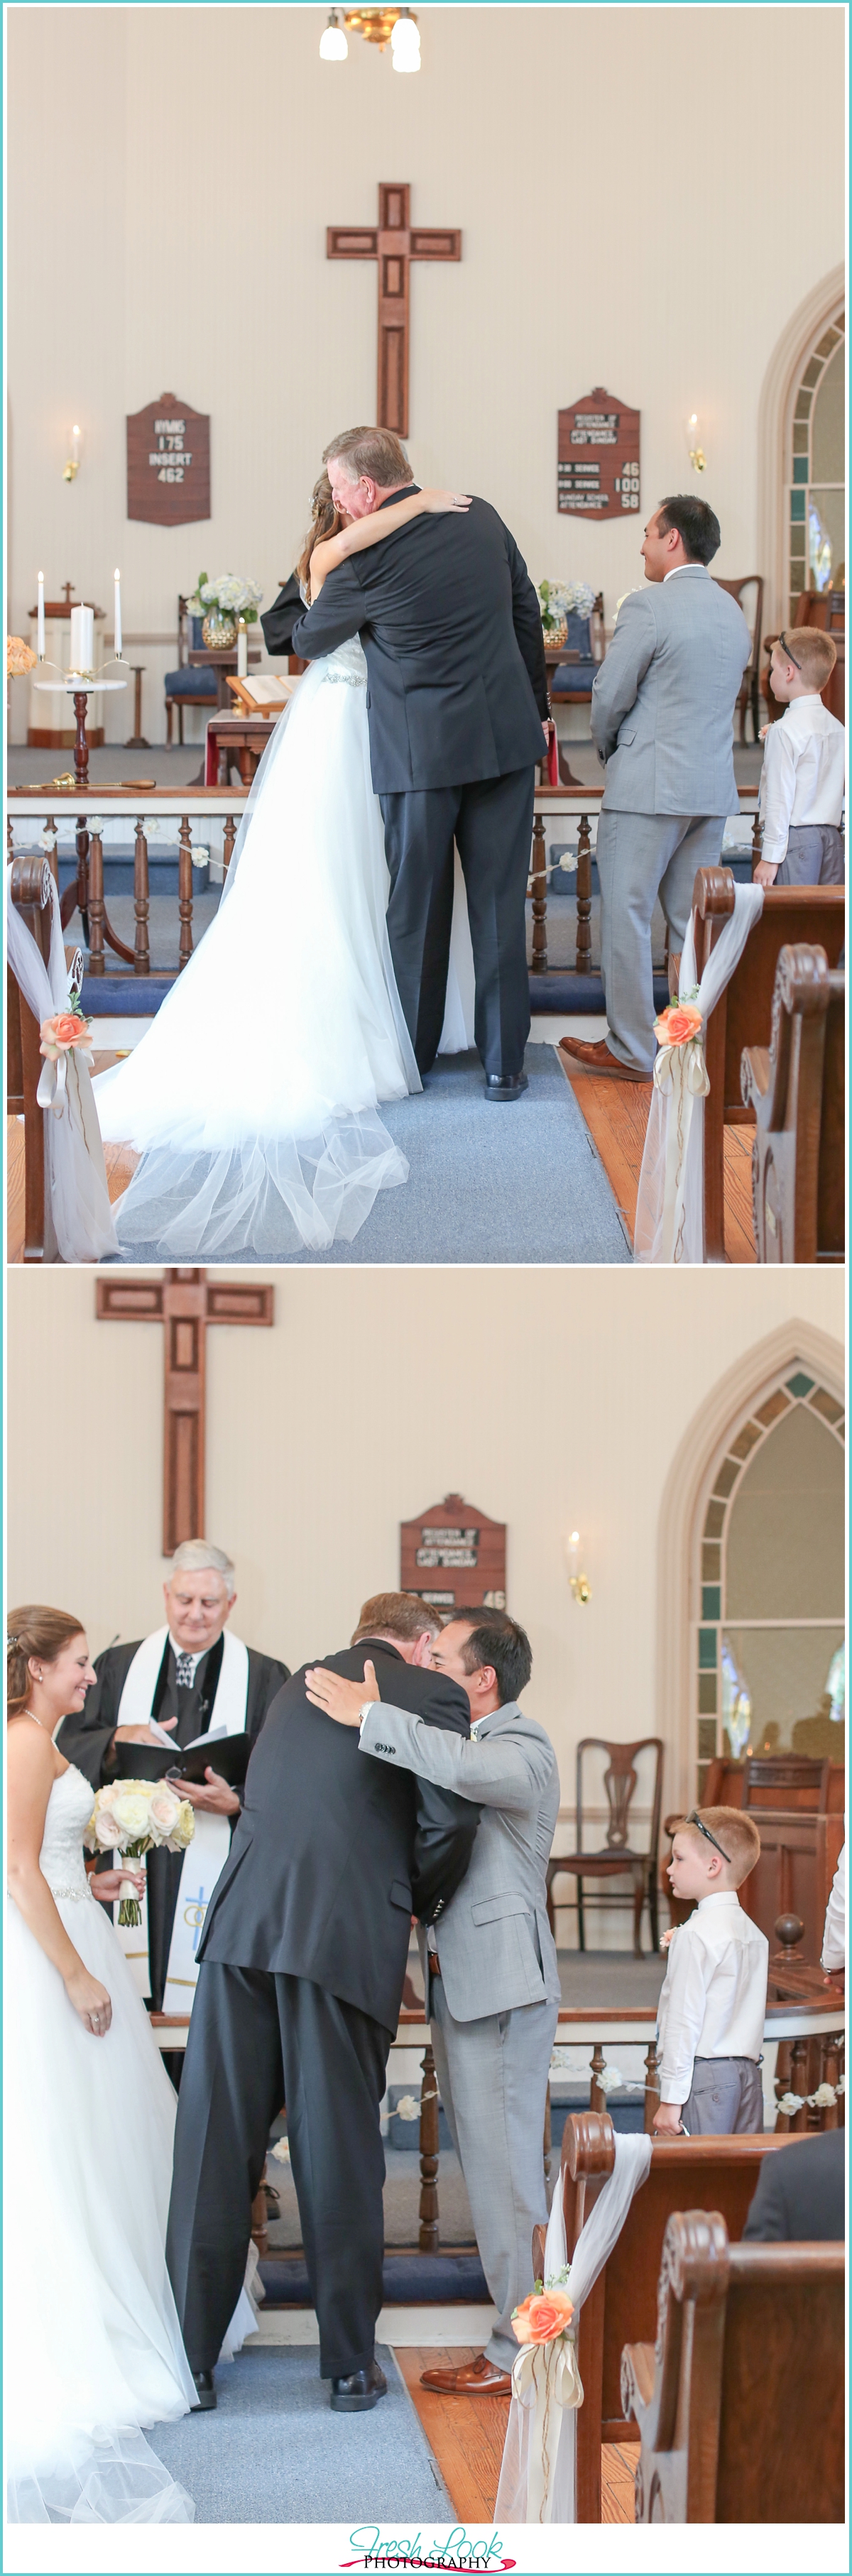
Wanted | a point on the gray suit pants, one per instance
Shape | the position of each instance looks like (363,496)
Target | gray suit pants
(492,2078)
(641,856)
(725,2100)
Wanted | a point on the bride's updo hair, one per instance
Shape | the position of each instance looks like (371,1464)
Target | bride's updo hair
(34,1630)
(325,522)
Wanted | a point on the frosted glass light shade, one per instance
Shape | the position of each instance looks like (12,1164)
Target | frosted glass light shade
(405,45)
(333,45)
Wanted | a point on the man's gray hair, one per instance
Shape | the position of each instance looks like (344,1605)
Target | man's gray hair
(196,1554)
(377,453)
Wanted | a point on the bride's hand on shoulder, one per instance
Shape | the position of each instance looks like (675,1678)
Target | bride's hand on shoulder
(438,502)
(90,2000)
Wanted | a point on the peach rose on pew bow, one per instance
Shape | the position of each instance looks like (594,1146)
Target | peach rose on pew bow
(63,1032)
(543,2316)
(676,1025)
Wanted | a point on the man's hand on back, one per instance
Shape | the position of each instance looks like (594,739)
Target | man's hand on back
(340,1699)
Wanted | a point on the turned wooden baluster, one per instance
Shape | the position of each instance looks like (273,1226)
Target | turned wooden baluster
(782,2083)
(756,840)
(597,2097)
(829,2073)
(584,898)
(652,2087)
(799,2082)
(229,837)
(538,889)
(429,2239)
(96,905)
(185,892)
(142,953)
(10,837)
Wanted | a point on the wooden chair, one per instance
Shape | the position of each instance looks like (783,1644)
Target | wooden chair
(186,687)
(797,1089)
(743,1013)
(31,897)
(617,1858)
(741,2407)
(622,2307)
(749,695)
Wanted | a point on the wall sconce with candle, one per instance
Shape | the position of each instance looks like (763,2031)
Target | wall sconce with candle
(71,466)
(578,1581)
(697,458)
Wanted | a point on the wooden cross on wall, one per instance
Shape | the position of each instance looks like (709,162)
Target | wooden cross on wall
(394,243)
(184,1303)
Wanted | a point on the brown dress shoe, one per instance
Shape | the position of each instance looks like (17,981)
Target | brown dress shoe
(580,1057)
(479,2378)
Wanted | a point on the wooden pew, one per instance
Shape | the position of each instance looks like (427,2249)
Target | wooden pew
(741,2408)
(743,1014)
(796,1087)
(622,2307)
(31,897)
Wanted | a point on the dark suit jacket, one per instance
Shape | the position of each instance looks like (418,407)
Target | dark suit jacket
(334,1850)
(799,2198)
(87,1740)
(280,619)
(451,627)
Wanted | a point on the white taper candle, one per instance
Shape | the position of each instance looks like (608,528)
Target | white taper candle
(117,614)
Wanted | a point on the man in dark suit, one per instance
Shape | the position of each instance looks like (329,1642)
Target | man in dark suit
(303,1957)
(800,2197)
(178,1688)
(457,701)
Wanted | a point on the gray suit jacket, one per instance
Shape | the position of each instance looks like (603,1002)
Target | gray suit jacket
(664,698)
(494,1941)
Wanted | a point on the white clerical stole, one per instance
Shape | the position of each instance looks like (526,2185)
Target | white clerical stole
(208,1851)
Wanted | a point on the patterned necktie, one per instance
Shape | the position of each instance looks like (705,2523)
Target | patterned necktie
(184,1667)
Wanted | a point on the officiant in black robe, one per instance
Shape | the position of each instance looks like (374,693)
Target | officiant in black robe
(456,701)
(198,1601)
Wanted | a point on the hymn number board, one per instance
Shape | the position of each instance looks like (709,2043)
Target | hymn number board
(168,463)
(598,462)
(454,1556)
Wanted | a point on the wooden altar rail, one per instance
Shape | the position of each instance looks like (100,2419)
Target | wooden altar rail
(204,804)
(551,800)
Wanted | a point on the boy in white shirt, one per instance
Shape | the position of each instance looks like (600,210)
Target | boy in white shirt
(801,790)
(713,2003)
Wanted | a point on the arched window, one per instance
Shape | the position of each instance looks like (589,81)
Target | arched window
(769,1638)
(816,490)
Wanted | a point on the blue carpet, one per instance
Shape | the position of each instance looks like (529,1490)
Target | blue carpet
(407,2279)
(514,1182)
(273,2451)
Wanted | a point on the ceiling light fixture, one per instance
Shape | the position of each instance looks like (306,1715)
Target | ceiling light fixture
(333,45)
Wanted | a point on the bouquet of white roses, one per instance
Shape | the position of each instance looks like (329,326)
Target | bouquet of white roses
(235,597)
(137,1816)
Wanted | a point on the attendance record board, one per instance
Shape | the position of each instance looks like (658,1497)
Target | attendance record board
(454,1556)
(598,457)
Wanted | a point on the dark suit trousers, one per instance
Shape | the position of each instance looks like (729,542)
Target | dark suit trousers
(256,2040)
(490,820)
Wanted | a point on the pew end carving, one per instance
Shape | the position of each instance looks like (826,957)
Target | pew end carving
(796,1089)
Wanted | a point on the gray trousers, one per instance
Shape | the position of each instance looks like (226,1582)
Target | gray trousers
(492,2078)
(814,856)
(641,857)
(726,2100)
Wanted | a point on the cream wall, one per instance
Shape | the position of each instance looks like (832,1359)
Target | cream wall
(612,170)
(549,1399)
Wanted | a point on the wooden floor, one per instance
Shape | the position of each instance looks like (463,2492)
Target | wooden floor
(616,1114)
(466,2435)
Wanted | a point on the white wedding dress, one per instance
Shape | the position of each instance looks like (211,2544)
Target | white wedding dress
(93,2344)
(253,1099)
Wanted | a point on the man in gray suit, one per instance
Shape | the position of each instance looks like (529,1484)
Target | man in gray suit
(490,1966)
(663,709)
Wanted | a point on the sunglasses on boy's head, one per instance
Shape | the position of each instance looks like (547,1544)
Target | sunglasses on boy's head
(784,648)
(708,1837)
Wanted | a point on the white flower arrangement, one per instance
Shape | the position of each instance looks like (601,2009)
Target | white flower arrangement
(561,599)
(235,597)
(136,1816)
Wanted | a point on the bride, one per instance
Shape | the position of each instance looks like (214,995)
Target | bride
(253,1100)
(93,2344)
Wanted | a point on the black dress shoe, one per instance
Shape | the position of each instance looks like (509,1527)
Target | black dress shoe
(505,1086)
(363,2388)
(205,2394)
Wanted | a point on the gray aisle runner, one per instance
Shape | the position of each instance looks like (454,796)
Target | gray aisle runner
(519,1181)
(274,2452)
